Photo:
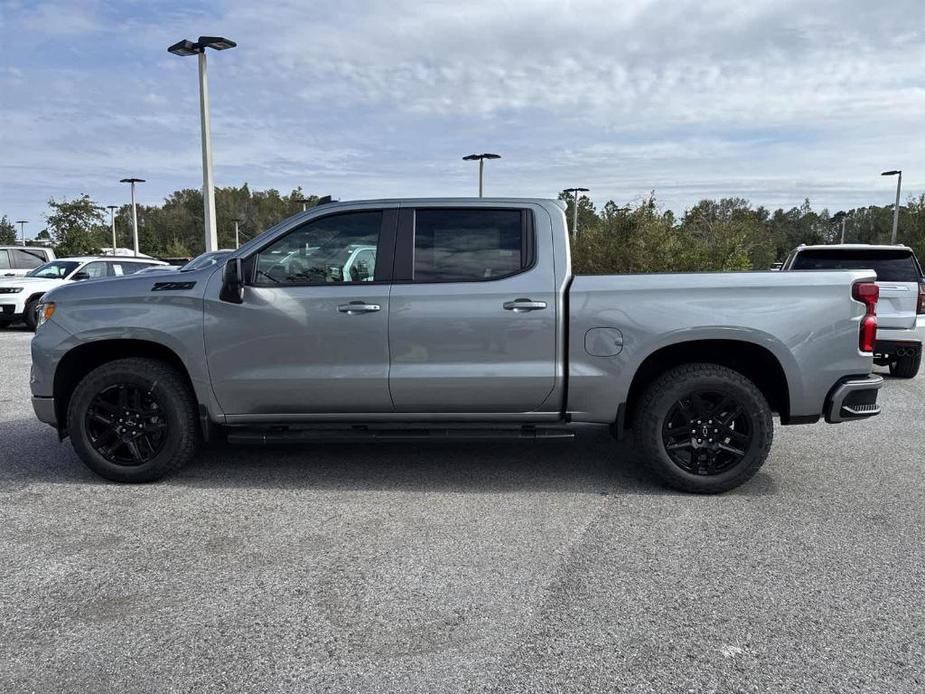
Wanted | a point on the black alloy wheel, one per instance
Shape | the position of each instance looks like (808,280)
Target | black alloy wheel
(126,424)
(707,432)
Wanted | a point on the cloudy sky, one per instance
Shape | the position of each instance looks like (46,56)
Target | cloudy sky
(771,100)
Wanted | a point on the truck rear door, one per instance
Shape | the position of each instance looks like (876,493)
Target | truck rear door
(473,308)
(898,276)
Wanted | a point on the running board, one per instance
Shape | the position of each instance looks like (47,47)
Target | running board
(358,434)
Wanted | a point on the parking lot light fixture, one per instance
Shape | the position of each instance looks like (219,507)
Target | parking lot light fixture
(575,193)
(237,235)
(186,48)
(304,202)
(22,230)
(133,181)
(899,182)
(481,160)
(112,221)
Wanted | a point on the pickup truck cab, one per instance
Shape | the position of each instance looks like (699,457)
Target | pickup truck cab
(16,261)
(466,322)
(901,308)
(20,296)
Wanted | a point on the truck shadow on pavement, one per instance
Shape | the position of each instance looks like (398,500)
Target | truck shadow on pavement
(591,464)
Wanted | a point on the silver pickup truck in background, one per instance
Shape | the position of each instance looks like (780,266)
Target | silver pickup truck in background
(461,319)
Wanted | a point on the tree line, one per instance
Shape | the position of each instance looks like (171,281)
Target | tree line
(714,235)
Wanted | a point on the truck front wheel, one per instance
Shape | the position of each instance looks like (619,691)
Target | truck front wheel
(133,420)
(703,428)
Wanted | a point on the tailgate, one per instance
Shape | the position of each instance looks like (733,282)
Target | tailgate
(897,306)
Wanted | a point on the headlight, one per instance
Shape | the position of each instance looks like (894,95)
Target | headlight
(10,290)
(44,311)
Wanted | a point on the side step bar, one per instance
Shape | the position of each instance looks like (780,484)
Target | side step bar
(357,434)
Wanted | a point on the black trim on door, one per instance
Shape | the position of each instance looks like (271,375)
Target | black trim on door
(404,246)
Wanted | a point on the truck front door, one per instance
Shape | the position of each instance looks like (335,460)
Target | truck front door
(308,337)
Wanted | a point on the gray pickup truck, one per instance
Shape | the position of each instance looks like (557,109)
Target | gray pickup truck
(461,319)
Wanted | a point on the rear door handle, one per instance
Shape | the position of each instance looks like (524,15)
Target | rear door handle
(524,305)
(356,307)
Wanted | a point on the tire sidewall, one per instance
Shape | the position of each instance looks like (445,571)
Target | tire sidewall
(30,315)
(171,406)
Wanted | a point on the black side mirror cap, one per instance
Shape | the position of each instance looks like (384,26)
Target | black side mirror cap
(233,282)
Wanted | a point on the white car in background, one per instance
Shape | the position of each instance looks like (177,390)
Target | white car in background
(16,261)
(901,307)
(21,296)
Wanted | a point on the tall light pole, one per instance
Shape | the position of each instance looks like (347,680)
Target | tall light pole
(187,47)
(575,192)
(899,182)
(22,229)
(481,159)
(237,237)
(304,202)
(133,181)
(112,221)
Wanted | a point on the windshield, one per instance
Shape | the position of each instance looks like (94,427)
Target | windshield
(205,260)
(890,266)
(55,270)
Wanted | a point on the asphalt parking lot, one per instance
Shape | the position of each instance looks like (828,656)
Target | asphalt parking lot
(464,568)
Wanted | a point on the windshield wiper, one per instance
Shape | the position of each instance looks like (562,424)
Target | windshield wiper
(269,277)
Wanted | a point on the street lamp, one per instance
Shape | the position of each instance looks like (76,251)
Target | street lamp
(133,181)
(304,202)
(187,47)
(481,159)
(22,230)
(237,237)
(899,183)
(112,221)
(575,192)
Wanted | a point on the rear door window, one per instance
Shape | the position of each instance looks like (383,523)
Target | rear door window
(890,266)
(5,260)
(469,245)
(26,259)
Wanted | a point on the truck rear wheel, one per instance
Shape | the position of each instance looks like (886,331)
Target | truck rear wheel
(703,428)
(906,367)
(133,420)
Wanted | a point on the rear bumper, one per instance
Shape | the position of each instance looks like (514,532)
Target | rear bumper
(853,398)
(893,348)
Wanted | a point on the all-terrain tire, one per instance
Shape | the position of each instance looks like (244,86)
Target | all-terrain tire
(174,411)
(673,387)
(906,367)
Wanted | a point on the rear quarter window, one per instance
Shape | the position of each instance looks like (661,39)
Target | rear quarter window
(890,266)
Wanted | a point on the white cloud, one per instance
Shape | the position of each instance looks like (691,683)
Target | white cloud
(770,99)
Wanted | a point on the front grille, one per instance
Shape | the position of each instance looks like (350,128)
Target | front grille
(7,308)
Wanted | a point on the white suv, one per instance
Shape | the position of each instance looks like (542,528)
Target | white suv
(16,261)
(20,296)
(901,308)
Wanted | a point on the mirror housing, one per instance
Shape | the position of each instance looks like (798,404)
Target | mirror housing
(233,282)
(82,275)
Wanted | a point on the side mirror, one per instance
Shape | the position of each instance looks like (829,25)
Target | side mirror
(82,275)
(233,282)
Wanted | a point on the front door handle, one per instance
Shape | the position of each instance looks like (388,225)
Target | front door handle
(356,307)
(524,305)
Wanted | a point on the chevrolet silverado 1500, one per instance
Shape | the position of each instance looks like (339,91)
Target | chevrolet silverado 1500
(461,319)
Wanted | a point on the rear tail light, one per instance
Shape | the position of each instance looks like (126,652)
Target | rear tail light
(921,309)
(867,293)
